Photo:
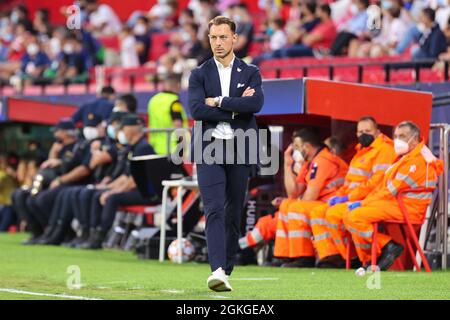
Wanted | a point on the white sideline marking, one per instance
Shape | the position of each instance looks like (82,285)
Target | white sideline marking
(172,291)
(46,294)
(255,279)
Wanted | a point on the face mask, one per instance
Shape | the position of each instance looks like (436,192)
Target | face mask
(354,9)
(111,132)
(269,31)
(90,133)
(139,29)
(32,49)
(298,156)
(386,4)
(161,69)
(122,138)
(366,139)
(401,147)
(68,48)
(421,27)
(14,17)
(185,36)
(55,46)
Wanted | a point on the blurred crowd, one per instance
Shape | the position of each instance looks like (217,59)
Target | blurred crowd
(32,50)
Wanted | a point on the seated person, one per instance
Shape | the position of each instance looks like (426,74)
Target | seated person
(416,168)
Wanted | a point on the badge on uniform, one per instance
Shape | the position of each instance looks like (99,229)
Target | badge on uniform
(413,168)
(313,171)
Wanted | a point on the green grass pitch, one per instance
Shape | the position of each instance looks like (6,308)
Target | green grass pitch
(110,274)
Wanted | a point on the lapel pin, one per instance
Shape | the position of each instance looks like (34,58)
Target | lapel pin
(239,69)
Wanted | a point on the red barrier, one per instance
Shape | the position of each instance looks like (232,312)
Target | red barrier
(348,101)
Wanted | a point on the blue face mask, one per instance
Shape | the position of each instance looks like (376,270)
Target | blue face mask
(386,4)
(122,138)
(111,132)
(269,31)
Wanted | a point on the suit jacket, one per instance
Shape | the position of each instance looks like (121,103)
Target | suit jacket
(204,82)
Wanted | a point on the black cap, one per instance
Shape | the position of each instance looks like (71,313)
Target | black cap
(131,120)
(117,116)
(64,124)
(92,120)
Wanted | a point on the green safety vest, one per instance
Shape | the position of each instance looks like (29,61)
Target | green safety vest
(159,117)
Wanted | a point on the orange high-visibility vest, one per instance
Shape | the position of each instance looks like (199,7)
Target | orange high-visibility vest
(367,168)
(418,168)
(326,170)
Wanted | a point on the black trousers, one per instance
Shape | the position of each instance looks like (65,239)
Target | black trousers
(341,42)
(132,197)
(223,189)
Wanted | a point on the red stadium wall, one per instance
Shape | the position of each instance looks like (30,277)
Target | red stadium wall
(22,110)
(346,101)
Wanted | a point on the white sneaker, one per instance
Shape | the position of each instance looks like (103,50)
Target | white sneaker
(218,281)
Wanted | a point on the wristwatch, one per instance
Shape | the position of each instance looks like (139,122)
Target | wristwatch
(217,101)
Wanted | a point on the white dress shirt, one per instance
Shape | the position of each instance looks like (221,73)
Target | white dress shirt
(223,129)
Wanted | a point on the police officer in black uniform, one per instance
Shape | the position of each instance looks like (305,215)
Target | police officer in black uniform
(59,161)
(124,192)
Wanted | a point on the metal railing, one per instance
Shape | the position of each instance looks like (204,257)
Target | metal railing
(442,199)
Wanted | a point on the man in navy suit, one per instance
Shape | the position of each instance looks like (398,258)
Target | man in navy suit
(224,95)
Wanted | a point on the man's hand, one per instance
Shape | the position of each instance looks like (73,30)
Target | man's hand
(210,102)
(55,183)
(288,160)
(277,201)
(248,92)
(51,163)
(104,197)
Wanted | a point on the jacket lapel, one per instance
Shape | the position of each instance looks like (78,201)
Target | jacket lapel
(213,76)
(236,73)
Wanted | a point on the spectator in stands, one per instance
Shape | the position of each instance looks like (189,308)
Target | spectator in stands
(124,192)
(41,23)
(308,21)
(354,28)
(393,29)
(165,111)
(244,30)
(191,46)
(204,11)
(319,39)
(14,41)
(432,41)
(143,41)
(161,14)
(186,16)
(20,15)
(34,61)
(53,47)
(101,106)
(277,40)
(126,103)
(443,13)
(103,21)
(72,64)
(128,51)
(291,12)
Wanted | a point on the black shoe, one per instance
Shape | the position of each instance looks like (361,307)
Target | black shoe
(57,236)
(303,262)
(389,253)
(245,257)
(95,241)
(355,263)
(78,240)
(33,240)
(332,262)
(46,235)
(277,262)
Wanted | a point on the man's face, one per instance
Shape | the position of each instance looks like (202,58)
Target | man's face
(403,133)
(222,40)
(366,127)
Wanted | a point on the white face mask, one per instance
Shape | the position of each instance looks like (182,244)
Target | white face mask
(68,48)
(354,9)
(139,29)
(90,133)
(55,46)
(298,156)
(401,147)
(421,27)
(32,49)
(122,138)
